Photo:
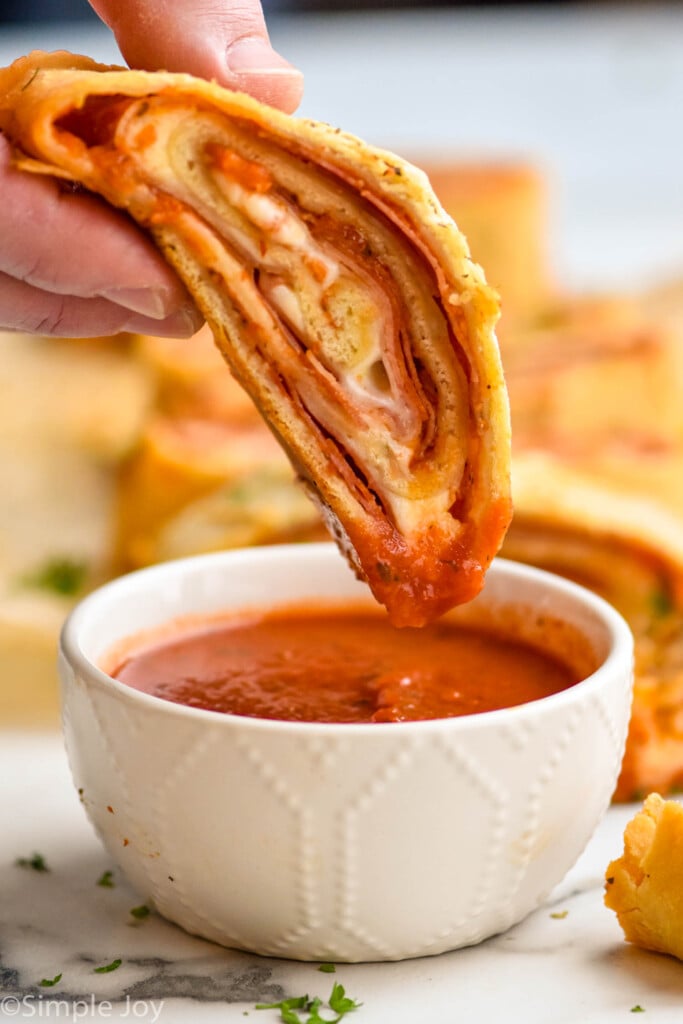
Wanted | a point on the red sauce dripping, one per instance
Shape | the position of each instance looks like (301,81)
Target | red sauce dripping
(345,665)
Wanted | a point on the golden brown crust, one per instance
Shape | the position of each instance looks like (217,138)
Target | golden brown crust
(645,885)
(423,534)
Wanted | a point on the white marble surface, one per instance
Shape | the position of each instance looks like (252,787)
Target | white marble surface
(575,968)
(594,95)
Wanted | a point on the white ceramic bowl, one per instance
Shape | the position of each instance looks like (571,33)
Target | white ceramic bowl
(339,842)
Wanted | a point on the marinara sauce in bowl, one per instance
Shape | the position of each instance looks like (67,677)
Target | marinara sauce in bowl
(275,768)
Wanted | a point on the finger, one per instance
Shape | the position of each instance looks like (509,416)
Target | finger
(74,244)
(225,41)
(33,311)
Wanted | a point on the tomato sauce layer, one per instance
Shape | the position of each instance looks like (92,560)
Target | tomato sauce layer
(346,665)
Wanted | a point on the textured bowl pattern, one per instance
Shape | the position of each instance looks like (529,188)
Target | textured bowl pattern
(325,842)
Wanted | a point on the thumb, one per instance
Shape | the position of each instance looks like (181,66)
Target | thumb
(225,41)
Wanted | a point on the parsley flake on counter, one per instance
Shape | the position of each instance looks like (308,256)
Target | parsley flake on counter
(291,1010)
(327,968)
(140,913)
(340,1002)
(106,880)
(637,1009)
(36,863)
(63,576)
(559,915)
(114,965)
(49,982)
(295,1003)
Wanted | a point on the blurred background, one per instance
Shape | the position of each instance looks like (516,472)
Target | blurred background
(551,133)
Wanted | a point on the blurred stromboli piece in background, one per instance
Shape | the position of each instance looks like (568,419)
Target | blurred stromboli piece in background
(71,411)
(502,208)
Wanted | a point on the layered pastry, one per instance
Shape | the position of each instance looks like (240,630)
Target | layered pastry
(341,294)
(595,390)
(629,550)
(198,484)
(595,376)
(644,886)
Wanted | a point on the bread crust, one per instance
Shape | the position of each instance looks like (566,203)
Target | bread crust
(644,886)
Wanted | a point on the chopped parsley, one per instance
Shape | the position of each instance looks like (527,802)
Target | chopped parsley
(327,968)
(637,1009)
(295,1003)
(36,863)
(303,1010)
(140,913)
(63,576)
(106,880)
(340,1002)
(108,968)
(49,982)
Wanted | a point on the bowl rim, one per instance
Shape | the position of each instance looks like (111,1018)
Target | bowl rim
(619,657)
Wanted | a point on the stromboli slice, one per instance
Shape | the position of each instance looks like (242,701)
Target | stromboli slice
(341,295)
(629,549)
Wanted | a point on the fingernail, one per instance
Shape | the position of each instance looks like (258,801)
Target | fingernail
(147,301)
(182,324)
(253,55)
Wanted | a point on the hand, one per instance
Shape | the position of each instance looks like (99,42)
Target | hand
(222,39)
(72,266)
